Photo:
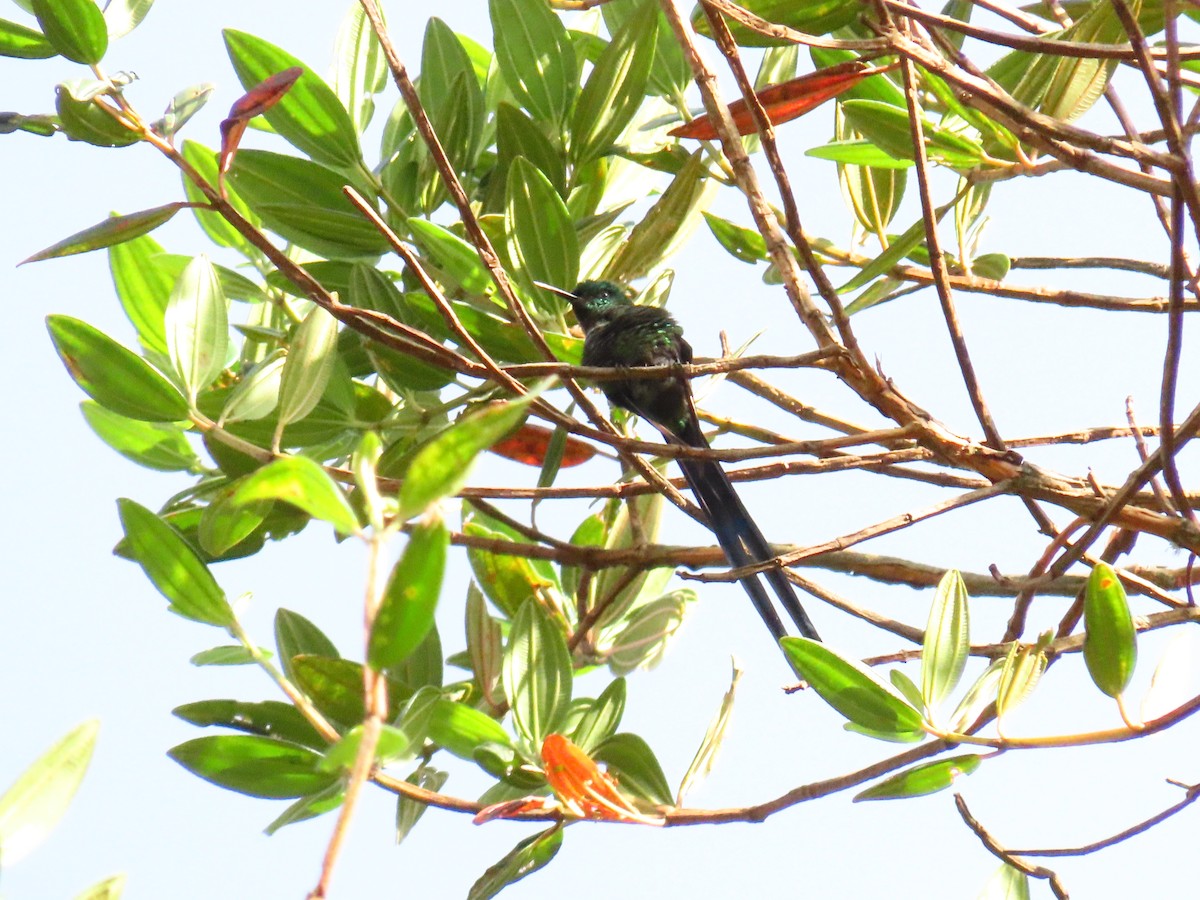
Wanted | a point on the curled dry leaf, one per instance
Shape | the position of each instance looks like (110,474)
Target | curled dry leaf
(254,102)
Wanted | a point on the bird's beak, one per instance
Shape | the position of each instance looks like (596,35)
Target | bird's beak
(557,291)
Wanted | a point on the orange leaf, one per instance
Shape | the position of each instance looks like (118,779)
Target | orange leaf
(786,101)
(529,444)
(582,788)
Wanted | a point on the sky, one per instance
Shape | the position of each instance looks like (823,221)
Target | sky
(83,634)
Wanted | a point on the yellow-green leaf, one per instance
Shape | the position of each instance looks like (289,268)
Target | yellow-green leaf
(1110,638)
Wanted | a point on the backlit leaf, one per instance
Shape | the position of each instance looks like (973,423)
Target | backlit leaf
(32,806)
(537,672)
(113,376)
(256,766)
(852,689)
(173,567)
(76,28)
(405,614)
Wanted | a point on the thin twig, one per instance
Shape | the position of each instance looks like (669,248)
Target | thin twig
(1007,856)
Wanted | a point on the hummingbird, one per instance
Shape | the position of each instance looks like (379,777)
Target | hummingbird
(621,335)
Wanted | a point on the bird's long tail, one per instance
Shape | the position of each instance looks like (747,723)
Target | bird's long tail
(740,537)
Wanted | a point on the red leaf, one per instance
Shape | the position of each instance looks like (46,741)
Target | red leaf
(254,102)
(530,443)
(786,101)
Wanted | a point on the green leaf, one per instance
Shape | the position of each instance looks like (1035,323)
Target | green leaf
(642,643)
(76,28)
(874,193)
(897,250)
(204,161)
(114,377)
(113,230)
(442,466)
(336,688)
(108,889)
(83,120)
(266,718)
(859,153)
(537,673)
(977,697)
(672,218)
(35,802)
(371,289)
(535,56)
(451,255)
(1020,674)
(507,579)
(524,859)
(637,520)
(461,729)
(809,16)
(303,483)
(122,16)
(1110,638)
(162,447)
(991,265)
(405,614)
(143,287)
(183,106)
(308,807)
(395,743)
(197,326)
(670,74)
(173,567)
(887,127)
(745,244)
(41,125)
(256,766)
(599,722)
(453,99)
(852,689)
(409,811)
(947,640)
(309,116)
(307,369)
(630,759)
(229,655)
(927,778)
(615,89)
(303,202)
(1006,884)
(518,135)
(360,70)
(423,667)
(295,635)
(905,686)
(256,393)
(540,227)
(225,524)
(485,644)
(20,42)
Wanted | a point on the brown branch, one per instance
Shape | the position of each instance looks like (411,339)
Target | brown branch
(937,261)
(1190,797)
(1007,856)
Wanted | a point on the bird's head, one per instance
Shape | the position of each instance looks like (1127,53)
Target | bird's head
(594,302)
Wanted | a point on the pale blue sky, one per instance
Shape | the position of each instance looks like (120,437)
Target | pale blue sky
(83,634)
